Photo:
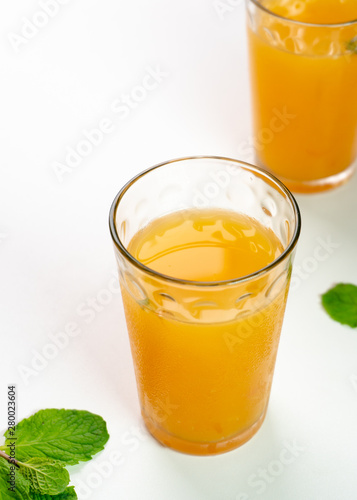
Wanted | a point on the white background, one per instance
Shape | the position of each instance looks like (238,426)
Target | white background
(56,254)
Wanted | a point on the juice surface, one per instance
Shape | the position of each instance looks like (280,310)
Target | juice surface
(304,108)
(205,246)
(315,11)
(204,382)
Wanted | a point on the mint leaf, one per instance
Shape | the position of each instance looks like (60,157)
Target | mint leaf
(68,494)
(69,436)
(19,491)
(340,302)
(352,45)
(45,476)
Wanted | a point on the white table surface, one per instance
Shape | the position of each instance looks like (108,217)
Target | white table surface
(71,75)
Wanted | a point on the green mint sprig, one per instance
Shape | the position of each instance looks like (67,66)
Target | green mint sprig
(68,436)
(22,489)
(45,443)
(45,476)
(340,303)
(351,46)
(68,494)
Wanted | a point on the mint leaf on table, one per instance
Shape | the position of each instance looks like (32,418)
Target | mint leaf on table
(45,476)
(21,489)
(340,302)
(68,494)
(44,443)
(68,436)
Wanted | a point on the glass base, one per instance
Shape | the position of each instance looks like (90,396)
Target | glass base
(199,448)
(318,185)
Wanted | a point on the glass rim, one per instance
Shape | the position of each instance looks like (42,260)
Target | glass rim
(302,23)
(233,281)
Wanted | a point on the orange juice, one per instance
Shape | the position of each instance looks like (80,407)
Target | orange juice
(204,365)
(303,77)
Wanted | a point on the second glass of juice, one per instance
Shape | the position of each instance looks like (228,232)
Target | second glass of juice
(204,248)
(303,66)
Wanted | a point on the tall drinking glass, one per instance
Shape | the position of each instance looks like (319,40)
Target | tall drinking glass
(204,349)
(303,65)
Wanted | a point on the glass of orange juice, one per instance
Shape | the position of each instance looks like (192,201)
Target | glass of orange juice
(303,65)
(204,247)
